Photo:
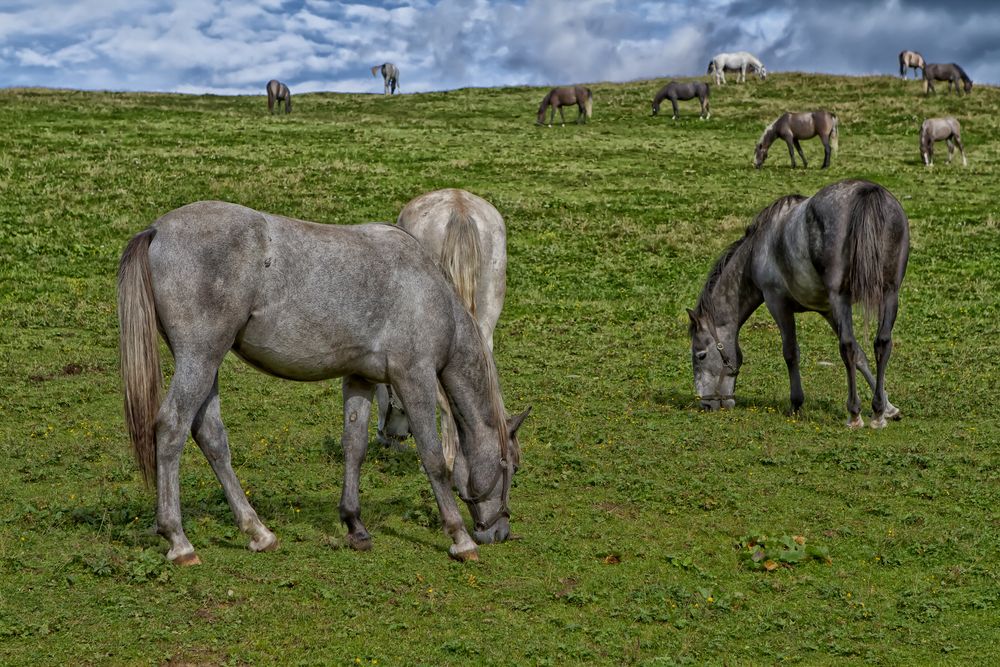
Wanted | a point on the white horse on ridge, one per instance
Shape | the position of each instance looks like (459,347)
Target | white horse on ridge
(741,61)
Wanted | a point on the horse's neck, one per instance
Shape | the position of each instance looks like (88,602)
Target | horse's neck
(735,296)
(470,383)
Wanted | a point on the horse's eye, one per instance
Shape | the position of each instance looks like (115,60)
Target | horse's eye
(700,356)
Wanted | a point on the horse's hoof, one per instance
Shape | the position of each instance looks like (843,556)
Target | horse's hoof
(878,422)
(855,423)
(266,542)
(359,542)
(464,556)
(893,413)
(187,559)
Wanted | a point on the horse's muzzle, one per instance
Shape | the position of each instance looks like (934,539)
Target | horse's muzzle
(498,532)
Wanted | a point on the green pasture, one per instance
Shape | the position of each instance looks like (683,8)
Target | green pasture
(650,532)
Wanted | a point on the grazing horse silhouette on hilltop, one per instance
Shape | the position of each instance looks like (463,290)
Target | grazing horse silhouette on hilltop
(278,92)
(390,77)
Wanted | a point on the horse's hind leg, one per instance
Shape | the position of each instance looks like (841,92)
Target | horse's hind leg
(951,149)
(210,434)
(861,361)
(190,386)
(881,408)
(418,394)
(357,409)
(826,151)
(841,314)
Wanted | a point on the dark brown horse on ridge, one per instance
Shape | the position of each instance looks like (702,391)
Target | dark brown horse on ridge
(278,92)
(563,96)
(674,91)
(794,126)
(910,59)
(949,72)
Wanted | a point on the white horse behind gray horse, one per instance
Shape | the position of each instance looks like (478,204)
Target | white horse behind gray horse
(740,61)
(945,129)
(467,236)
(304,301)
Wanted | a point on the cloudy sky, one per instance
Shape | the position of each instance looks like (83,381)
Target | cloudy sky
(235,46)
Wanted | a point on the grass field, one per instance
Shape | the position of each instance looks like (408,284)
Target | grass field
(637,512)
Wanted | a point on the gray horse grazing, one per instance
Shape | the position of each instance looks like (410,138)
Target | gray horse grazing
(390,77)
(278,92)
(846,244)
(557,98)
(468,237)
(794,126)
(674,91)
(740,61)
(910,59)
(941,129)
(304,301)
(949,72)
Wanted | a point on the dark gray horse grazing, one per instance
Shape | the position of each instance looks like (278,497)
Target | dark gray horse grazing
(304,301)
(278,92)
(941,129)
(565,95)
(949,72)
(910,59)
(794,126)
(674,91)
(846,244)
(390,77)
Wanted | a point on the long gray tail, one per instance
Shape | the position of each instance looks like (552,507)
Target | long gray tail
(139,351)
(864,273)
(835,134)
(460,257)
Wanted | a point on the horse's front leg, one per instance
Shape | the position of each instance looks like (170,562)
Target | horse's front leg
(357,409)
(562,116)
(783,315)
(791,152)
(419,398)
(802,155)
(673,103)
(841,314)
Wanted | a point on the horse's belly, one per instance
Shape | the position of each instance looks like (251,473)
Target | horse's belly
(297,353)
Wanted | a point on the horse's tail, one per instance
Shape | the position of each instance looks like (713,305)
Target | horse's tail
(375,69)
(864,274)
(460,256)
(588,104)
(834,134)
(139,351)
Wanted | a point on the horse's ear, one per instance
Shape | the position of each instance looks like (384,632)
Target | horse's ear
(692,316)
(514,423)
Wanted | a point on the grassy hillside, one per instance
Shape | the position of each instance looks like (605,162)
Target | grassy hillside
(632,505)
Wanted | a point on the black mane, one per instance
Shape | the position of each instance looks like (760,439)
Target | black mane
(759,222)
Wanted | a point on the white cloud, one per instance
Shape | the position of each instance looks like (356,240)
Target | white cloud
(237,45)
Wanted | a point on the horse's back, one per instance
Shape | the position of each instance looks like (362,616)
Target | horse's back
(427,218)
(297,299)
